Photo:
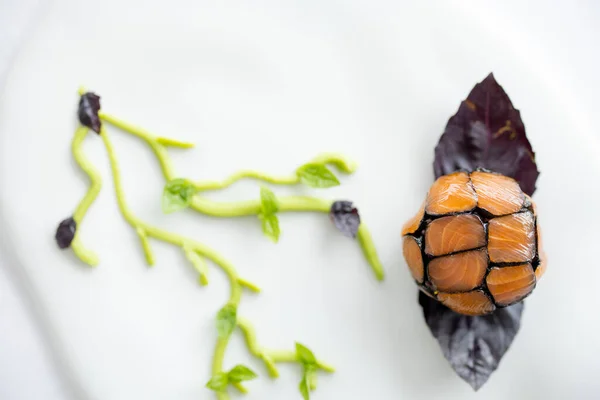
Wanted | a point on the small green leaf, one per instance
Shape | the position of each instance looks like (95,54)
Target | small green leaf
(268,201)
(304,389)
(270,222)
(241,373)
(270,227)
(219,382)
(177,195)
(305,356)
(317,175)
(226,321)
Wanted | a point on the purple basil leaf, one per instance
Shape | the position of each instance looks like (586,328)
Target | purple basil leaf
(474,346)
(89,106)
(487,132)
(345,217)
(65,232)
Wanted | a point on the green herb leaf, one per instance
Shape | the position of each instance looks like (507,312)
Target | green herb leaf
(268,201)
(305,356)
(304,389)
(226,321)
(219,382)
(270,227)
(241,373)
(177,195)
(317,175)
(270,222)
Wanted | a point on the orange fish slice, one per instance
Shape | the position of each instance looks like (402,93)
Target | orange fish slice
(451,194)
(469,303)
(510,284)
(454,233)
(512,238)
(497,194)
(458,272)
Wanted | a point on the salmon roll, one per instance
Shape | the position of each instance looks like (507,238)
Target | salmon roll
(475,244)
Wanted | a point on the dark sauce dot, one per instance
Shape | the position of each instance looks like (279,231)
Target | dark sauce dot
(65,232)
(89,106)
(345,217)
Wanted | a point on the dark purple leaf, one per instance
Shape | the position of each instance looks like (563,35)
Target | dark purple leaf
(474,346)
(487,132)
(345,217)
(65,232)
(89,106)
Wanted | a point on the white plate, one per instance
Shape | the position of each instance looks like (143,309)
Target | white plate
(268,86)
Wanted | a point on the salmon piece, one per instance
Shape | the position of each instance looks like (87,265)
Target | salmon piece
(413,224)
(451,194)
(512,238)
(413,257)
(458,272)
(454,233)
(497,194)
(509,285)
(469,303)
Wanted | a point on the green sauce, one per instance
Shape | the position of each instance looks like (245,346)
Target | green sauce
(196,252)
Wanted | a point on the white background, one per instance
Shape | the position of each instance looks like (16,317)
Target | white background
(563,33)
(26,369)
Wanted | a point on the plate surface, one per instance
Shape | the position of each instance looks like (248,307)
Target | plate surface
(268,86)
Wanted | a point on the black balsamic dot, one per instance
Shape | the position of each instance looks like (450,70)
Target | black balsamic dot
(89,106)
(345,217)
(65,232)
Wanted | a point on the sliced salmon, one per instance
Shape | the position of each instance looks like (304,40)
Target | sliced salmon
(512,238)
(469,303)
(508,285)
(454,233)
(413,224)
(451,194)
(458,272)
(413,257)
(497,194)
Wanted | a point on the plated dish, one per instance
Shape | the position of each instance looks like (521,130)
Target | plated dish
(474,246)
(259,81)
